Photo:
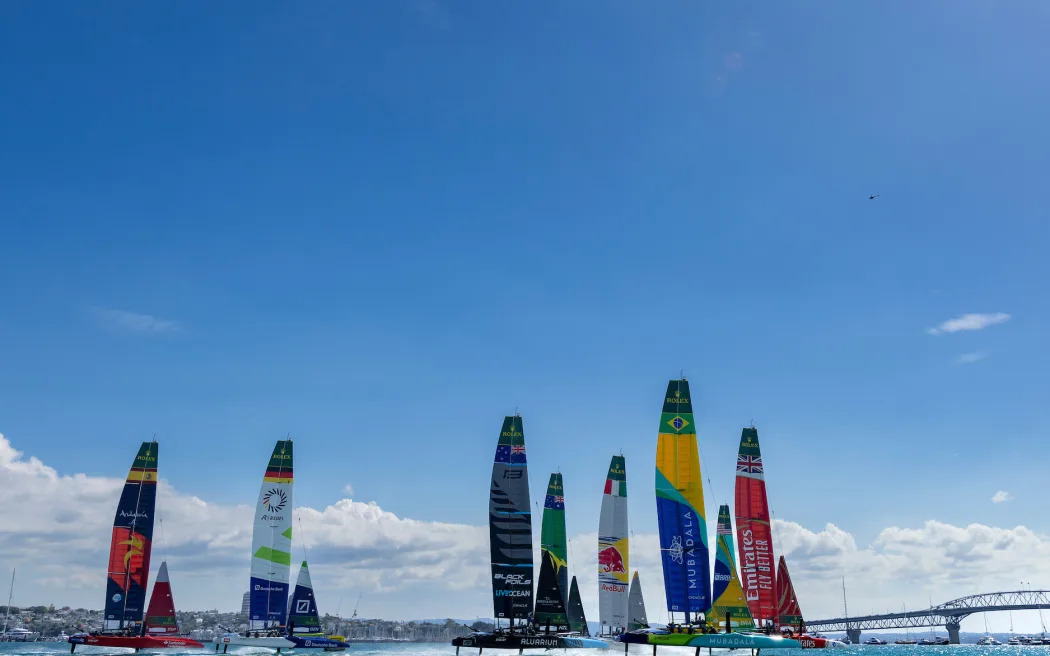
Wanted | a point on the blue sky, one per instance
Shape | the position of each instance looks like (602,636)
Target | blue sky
(381,227)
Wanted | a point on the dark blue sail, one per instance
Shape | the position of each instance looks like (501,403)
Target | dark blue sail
(302,614)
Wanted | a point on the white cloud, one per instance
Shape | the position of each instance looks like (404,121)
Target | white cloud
(1002,496)
(56,531)
(969,322)
(970,358)
(134,322)
(352,546)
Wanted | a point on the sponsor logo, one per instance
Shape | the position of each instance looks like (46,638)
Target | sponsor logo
(677,398)
(117,597)
(610,560)
(512,579)
(512,473)
(613,588)
(302,606)
(269,588)
(527,641)
(514,593)
(512,433)
(676,551)
(133,515)
(134,545)
(722,577)
(274,500)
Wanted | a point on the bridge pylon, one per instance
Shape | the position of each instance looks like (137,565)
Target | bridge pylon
(953,631)
(853,635)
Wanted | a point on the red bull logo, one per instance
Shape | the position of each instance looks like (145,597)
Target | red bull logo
(610,561)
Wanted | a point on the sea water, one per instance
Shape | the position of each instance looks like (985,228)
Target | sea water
(445,649)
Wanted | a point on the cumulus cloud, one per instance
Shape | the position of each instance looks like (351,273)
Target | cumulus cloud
(56,531)
(134,322)
(970,358)
(1002,496)
(352,546)
(969,322)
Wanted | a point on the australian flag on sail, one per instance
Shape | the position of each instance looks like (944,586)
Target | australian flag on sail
(511,454)
(749,464)
(554,502)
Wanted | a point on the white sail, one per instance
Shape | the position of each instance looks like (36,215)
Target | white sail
(636,605)
(612,550)
(272,542)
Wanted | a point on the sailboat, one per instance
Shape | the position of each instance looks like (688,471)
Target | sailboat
(730,607)
(271,558)
(131,544)
(510,549)
(553,586)
(554,547)
(683,539)
(636,618)
(755,540)
(613,563)
(304,622)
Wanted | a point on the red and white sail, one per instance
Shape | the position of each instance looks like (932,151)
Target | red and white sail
(754,537)
(160,616)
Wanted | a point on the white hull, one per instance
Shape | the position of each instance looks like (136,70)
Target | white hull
(270,642)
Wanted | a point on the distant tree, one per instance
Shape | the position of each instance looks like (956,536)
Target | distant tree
(481,626)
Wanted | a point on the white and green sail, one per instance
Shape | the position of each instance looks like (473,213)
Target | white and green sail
(272,543)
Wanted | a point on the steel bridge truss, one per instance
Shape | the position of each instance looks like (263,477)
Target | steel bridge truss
(948,614)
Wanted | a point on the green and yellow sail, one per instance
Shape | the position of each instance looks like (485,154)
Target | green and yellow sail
(728,593)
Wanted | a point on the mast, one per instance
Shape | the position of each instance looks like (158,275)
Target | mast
(755,540)
(272,542)
(131,543)
(510,526)
(680,507)
(613,551)
(10,596)
(845,610)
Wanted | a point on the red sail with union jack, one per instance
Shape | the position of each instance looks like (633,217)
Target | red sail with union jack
(754,539)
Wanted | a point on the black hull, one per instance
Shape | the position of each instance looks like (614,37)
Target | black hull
(526,641)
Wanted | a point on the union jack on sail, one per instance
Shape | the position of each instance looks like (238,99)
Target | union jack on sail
(749,464)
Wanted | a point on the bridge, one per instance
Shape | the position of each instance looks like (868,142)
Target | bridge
(949,614)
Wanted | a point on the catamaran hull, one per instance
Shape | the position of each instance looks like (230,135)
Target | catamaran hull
(809,642)
(133,642)
(508,641)
(728,640)
(712,640)
(269,642)
(317,642)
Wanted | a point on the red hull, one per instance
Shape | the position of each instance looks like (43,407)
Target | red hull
(135,642)
(810,642)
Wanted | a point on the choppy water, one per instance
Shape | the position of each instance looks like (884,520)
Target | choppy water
(444,649)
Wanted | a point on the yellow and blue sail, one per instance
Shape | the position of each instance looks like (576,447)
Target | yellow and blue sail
(680,506)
